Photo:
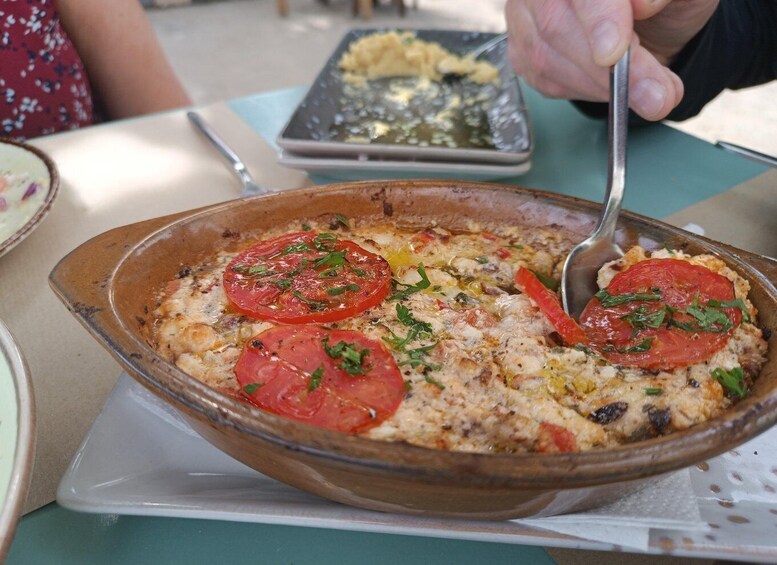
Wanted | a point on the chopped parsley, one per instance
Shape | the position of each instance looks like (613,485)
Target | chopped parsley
(482,260)
(548,282)
(653,390)
(253,270)
(352,356)
(435,382)
(312,304)
(416,358)
(342,220)
(332,259)
(608,300)
(641,347)
(283,284)
(324,241)
(252,387)
(418,330)
(736,303)
(704,318)
(400,294)
(315,379)
(306,227)
(732,381)
(338,290)
(296,248)
(641,318)
(404,316)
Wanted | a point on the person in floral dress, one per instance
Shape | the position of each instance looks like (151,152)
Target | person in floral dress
(66,64)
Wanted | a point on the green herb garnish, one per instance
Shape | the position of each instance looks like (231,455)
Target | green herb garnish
(732,381)
(306,227)
(409,289)
(435,382)
(736,303)
(324,241)
(315,379)
(296,248)
(342,220)
(352,356)
(640,318)
(283,284)
(653,390)
(252,387)
(608,300)
(548,282)
(642,346)
(332,259)
(482,260)
(416,358)
(418,330)
(312,304)
(338,290)
(404,316)
(253,270)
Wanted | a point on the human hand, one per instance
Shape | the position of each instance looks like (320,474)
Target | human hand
(564,48)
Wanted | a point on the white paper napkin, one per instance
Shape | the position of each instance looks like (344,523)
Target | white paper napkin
(668,504)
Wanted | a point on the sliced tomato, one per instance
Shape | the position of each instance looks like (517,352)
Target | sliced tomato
(306,277)
(287,370)
(550,305)
(680,339)
(552,438)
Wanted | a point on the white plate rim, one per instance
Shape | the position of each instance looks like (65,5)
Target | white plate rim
(24,454)
(20,234)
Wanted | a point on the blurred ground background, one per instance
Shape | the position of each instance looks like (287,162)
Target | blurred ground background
(227,48)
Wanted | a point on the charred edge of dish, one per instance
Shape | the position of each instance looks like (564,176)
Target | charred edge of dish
(388,209)
(136,356)
(184,272)
(230,234)
(379,195)
(85,311)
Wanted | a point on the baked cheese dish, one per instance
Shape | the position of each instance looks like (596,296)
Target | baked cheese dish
(456,340)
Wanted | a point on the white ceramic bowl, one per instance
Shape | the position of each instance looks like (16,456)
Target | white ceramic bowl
(29,181)
(17,436)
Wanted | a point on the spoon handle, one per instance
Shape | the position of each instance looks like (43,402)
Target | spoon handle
(618,130)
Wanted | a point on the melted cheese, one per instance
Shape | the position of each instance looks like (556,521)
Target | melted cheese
(501,374)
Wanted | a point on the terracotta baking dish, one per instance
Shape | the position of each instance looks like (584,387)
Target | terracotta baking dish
(110,284)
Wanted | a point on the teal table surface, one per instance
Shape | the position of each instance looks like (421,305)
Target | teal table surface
(53,535)
(668,171)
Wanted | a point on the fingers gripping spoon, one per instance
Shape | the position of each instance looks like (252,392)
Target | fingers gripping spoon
(578,278)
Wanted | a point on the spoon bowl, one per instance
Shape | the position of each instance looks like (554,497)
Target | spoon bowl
(578,277)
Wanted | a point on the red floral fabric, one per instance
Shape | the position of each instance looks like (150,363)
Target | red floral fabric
(43,85)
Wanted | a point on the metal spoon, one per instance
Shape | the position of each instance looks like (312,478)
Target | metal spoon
(578,279)
(250,187)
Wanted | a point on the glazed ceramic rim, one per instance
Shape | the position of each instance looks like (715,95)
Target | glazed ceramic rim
(14,239)
(21,472)
(625,462)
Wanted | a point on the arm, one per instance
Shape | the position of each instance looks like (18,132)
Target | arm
(127,67)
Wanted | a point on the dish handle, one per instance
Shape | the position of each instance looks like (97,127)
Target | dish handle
(81,277)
